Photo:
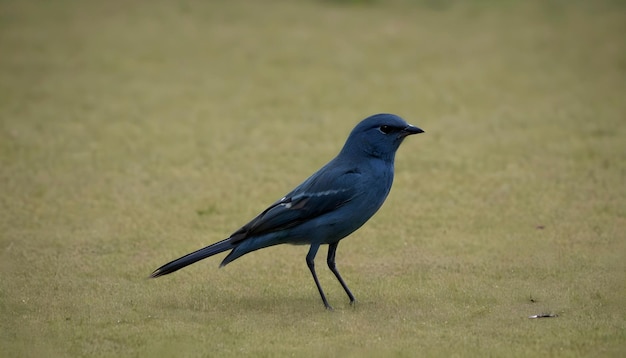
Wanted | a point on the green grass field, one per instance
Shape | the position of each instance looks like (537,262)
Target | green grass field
(132,133)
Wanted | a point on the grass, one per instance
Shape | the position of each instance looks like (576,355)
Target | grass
(135,132)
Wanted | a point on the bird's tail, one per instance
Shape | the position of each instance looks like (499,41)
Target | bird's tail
(195,256)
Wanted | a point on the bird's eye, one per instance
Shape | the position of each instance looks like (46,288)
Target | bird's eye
(385,129)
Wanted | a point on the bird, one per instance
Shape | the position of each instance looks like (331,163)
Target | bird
(328,206)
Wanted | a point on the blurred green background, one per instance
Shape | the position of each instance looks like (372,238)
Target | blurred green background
(133,132)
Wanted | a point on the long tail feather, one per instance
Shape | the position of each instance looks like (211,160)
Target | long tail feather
(193,257)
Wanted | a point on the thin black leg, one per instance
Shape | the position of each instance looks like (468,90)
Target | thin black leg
(332,249)
(310,262)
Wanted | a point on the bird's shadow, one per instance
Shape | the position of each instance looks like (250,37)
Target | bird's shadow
(261,303)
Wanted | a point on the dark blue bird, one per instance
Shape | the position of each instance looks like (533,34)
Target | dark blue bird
(325,208)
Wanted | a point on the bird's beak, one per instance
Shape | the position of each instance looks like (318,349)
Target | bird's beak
(410,129)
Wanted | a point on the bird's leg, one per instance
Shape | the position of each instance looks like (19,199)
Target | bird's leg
(310,262)
(332,249)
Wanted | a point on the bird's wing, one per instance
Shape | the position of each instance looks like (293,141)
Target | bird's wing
(324,191)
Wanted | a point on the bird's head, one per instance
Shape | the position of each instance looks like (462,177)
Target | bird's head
(379,135)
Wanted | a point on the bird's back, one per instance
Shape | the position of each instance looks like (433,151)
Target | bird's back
(331,204)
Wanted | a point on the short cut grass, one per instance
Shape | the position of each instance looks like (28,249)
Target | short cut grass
(134,132)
